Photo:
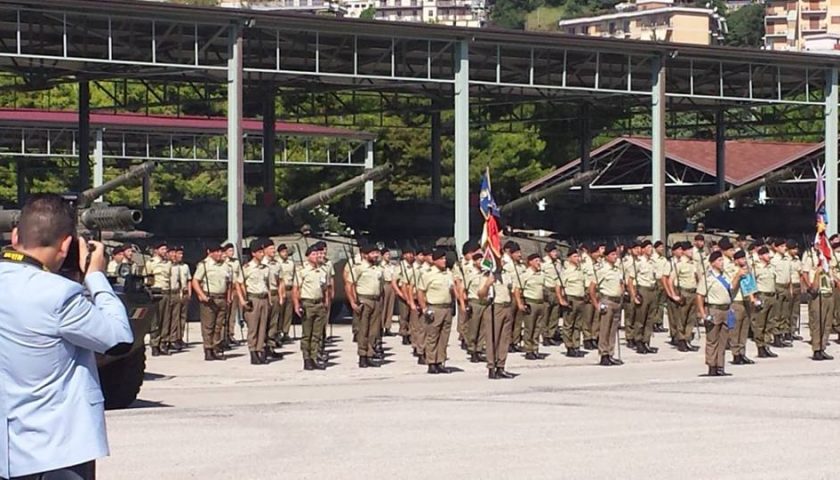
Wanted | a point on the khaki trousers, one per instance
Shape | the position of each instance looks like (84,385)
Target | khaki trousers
(552,314)
(781,318)
(498,327)
(233,313)
(312,322)
(795,302)
(404,313)
(213,318)
(820,314)
(644,315)
(176,306)
(608,321)
(761,320)
(533,321)
(518,322)
(590,322)
(629,308)
(475,328)
(659,305)
(389,298)
(835,294)
(162,323)
(438,330)
(717,335)
(573,323)
(287,313)
(418,332)
(273,322)
(738,336)
(257,321)
(369,323)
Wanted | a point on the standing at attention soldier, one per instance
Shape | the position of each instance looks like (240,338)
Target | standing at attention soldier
(211,285)
(606,291)
(160,269)
(436,292)
(308,295)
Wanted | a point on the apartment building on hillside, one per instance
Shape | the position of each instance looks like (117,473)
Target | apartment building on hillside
(461,13)
(812,25)
(653,20)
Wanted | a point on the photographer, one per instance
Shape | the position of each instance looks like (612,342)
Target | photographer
(52,402)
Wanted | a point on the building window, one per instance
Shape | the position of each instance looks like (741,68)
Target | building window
(612,28)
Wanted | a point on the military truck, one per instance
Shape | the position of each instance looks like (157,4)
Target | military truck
(121,376)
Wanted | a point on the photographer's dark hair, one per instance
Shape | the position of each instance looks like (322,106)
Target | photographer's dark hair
(44,220)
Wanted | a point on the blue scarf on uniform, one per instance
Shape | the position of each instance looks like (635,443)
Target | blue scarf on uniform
(730,315)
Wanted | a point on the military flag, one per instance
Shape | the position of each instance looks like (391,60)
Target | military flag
(490,240)
(820,240)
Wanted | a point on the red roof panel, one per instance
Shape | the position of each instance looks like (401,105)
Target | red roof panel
(140,122)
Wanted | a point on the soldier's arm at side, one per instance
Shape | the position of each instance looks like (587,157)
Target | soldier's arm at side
(397,290)
(593,295)
(200,273)
(700,300)
(281,290)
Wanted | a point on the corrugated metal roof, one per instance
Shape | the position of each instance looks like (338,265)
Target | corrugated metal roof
(746,160)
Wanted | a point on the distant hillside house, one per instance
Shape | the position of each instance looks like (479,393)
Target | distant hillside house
(329,7)
(653,20)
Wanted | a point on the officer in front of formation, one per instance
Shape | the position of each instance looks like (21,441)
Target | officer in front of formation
(309,298)
(365,296)
(529,298)
(252,291)
(606,291)
(160,270)
(495,295)
(436,294)
(714,297)
(211,285)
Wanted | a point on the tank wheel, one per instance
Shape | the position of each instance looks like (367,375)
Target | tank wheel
(121,380)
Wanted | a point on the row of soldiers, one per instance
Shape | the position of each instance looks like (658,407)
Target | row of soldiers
(516,309)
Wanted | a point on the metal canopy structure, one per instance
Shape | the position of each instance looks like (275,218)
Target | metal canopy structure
(690,164)
(50,41)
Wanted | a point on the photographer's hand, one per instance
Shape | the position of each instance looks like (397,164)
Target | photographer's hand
(97,256)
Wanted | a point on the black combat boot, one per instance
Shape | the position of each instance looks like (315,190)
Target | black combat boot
(406,340)
(531,356)
(255,359)
(502,373)
(208,355)
(432,369)
(605,361)
(746,360)
(818,355)
(681,346)
(492,374)
(475,357)
(308,364)
(737,360)
(155,351)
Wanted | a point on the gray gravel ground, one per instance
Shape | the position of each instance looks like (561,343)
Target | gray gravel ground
(654,418)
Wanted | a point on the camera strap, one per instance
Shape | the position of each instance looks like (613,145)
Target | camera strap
(13,256)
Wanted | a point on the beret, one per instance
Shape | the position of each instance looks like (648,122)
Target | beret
(714,256)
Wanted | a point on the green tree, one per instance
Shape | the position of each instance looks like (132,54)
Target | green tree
(746,26)
(368,14)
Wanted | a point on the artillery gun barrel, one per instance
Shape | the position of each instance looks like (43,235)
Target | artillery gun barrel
(88,196)
(110,218)
(736,192)
(325,196)
(552,191)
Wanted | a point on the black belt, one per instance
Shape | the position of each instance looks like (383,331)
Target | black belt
(719,307)
(782,285)
(439,305)
(689,290)
(649,289)
(483,303)
(310,300)
(572,297)
(504,304)
(826,294)
(370,297)
(767,294)
(258,295)
(534,301)
(219,296)
(614,299)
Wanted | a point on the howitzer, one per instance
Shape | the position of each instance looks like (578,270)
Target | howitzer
(736,192)
(546,193)
(96,217)
(324,196)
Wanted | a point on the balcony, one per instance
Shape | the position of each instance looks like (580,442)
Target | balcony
(814,10)
(821,28)
(776,34)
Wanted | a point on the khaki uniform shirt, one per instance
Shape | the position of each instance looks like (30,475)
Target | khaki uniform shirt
(701,261)
(551,269)
(180,277)
(501,289)
(235,270)
(311,281)
(683,273)
(437,285)
(782,266)
(643,273)
(256,278)
(274,271)
(717,293)
(532,285)
(161,270)
(287,270)
(660,265)
(574,280)
(213,277)
(609,280)
(404,273)
(111,269)
(367,278)
(795,270)
(765,277)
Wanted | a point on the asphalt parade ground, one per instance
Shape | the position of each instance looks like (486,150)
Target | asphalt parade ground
(656,417)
